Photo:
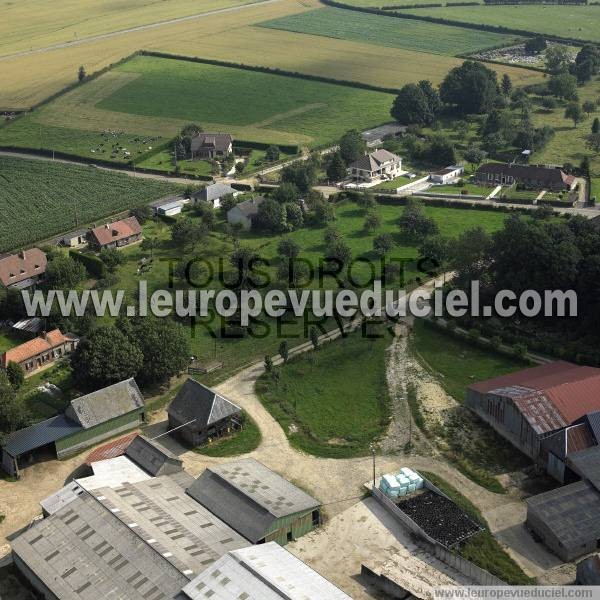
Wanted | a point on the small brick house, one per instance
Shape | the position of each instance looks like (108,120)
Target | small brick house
(116,235)
(40,351)
(535,177)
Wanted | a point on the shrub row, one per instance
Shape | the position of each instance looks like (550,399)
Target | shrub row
(404,6)
(92,263)
(272,70)
(286,148)
(580,2)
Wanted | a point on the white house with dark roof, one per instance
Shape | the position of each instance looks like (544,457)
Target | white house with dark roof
(213,194)
(379,165)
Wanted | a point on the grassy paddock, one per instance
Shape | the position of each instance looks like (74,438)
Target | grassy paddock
(575,22)
(241,442)
(390,31)
(333,402)
(482,549)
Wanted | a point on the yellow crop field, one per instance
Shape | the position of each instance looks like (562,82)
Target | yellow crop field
(31,24)
(26,80)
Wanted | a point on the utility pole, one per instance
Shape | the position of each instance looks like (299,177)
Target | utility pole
(372,448)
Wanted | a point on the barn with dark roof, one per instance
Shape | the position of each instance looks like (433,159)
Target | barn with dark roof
(198,414)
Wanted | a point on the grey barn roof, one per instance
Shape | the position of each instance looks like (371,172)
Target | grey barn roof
(569,512)
(40,434)
(106,404)
(249,208)
(82,552)
(213,191)
(153,457)
(196,401)
(587,464)
(160,510)
(265,572)
(249,496)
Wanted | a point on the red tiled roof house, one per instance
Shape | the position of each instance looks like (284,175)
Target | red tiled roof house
(23,270)
(116,235)
(41,351)
(541,410)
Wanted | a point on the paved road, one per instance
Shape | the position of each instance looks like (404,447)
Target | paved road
(120,32)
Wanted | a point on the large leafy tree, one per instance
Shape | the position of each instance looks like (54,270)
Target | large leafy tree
(336,169)
(63,272)
(164,345)
(13,413)
(470,256)
(352,146)
(414,223)
(104,357)
(411,106)
(470,88)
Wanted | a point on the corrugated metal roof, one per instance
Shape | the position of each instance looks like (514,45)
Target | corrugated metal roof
(40,434)
(588,571)
(587,464)
(593,420)
(249,496)
(106,404)
(153,457)
(569,440)
(265,572)
(111,450)
(569,512)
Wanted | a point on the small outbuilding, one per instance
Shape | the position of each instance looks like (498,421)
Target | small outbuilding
(446,175)
(245,213)
(116,235)
(169,209)
(256,502)
(152,457)
(198,414)
(566,519)
(75,239)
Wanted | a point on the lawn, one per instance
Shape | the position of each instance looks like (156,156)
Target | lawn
(390,31)
(575,22)
(39,199)
(163,161)
(241,442)
(394,183)
(469,188)
(8,341)
(333,402)
(482,549)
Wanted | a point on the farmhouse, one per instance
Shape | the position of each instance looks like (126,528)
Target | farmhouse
(87,421)
(375,166)
(201,414)
(23,270)
(213,194)
(536,177)
(529,407)
(116,235)
(269,572)
(207,146)
(256,502)
(245,213)
(41,351)
(446,175)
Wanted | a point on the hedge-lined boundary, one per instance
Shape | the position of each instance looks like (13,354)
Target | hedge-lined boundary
(285,148)
(92,263)
(455,23)
(271,70)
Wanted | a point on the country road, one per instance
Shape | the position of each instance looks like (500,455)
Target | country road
(104,36)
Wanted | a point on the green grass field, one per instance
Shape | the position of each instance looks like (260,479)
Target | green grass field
(8,341)
(241,442)
(574,22)
(390,31)
(459,363)
(335,401)
(39,199)
(472,189)
(142,104)
(237,352)
(482,549)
